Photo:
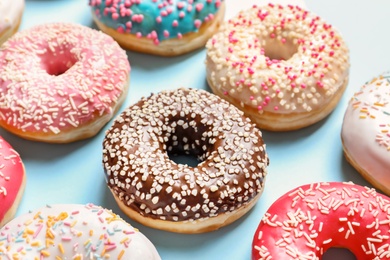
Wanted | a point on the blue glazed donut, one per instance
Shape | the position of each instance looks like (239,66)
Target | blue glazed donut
(162,27)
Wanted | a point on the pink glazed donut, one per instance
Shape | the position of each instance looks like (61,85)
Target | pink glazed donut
(61,82)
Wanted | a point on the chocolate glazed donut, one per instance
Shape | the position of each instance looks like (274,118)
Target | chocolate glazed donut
(155,191)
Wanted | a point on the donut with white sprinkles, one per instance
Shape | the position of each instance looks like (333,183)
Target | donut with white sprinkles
(73,231)
(155,191)
(60,82)
(282,65)
(307,221)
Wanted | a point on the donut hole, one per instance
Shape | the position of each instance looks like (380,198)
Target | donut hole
(185,159)
(57,61)
(280,50)
(186,144)
(337,253)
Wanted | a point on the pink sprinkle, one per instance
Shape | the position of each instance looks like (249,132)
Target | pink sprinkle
(197,23)
(175,23)
(115,16)
(166,34)
(180,5)
(158,19)
(38,231)
(276,108)
(179,35)
(138,35)
(259,108)
(199,7)
(66,238)
(110,247)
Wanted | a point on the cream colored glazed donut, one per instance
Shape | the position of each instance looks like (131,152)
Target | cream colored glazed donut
(11,12)
(156,191)
(366,132)
(60,82)
(12,181)
(166,27)
(282,65)
(307,221)
(71,231)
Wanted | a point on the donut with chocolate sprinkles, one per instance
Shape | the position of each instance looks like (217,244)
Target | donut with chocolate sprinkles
(308,220)
(284,66)
(61,82)
(158,192)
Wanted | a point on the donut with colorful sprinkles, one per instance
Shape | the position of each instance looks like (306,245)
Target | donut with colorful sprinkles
(11,13)
(61,82)
(307,221)
(73,231)
(12,181)
(159,27)
(366,131)
(158,192)
(282,65)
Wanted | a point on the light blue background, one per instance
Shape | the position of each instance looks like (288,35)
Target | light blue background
(73,173)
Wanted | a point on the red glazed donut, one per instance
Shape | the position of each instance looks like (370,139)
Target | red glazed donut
(157,192)
(72,231)
(307,221)
(12,181)
(60,82)
(282,65)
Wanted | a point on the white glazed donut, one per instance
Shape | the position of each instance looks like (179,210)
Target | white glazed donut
(72,231)
(11,12)
(366,132)
(284,66)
